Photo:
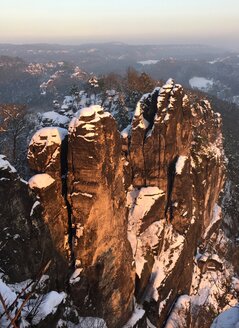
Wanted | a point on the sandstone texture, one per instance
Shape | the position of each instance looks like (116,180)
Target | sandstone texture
(47,156)
(98,203)
(177,162)
(133,219)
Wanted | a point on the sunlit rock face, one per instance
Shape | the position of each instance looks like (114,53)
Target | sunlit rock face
(98,203)
(83,202)
(47,152)
(47,157)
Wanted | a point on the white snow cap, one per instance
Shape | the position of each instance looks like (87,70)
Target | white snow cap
(49,136)
(94,113)
(170,81)
(90,111)
(5,165)
(169,84)
(40,181)
(139,113)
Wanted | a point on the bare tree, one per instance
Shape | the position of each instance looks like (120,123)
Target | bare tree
(12,124)
(26,295)
(16,125)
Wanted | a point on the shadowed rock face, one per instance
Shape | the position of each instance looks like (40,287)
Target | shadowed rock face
(15,208)
(97,198)
(25,239)
(175,150)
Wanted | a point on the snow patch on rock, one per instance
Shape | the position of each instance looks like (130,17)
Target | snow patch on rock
(55,118)
(41,181)
(49,136)
(5,165)
(136,316)
(200,83)
(90,114)
(180,164)
(227,319)
(48,305)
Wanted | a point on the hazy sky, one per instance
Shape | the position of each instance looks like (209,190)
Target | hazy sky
(133,21)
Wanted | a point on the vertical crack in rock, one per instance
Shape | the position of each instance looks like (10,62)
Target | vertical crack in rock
(69,211)
(171,176)
(142,126)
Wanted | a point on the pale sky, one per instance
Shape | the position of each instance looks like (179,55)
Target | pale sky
(213,22)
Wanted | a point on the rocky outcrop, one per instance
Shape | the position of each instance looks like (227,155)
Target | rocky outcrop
(134,214)
(170,161)
(47,152)
(25,242)
(47,155)
(174,138)
(15,207)
(97,198)
(177,157)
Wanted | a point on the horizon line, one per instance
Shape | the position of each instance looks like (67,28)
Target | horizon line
(111,42)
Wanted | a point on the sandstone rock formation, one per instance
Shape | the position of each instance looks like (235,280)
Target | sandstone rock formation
(175,142)
(136,214)
(97,198)
(47,155)
(47,152)
(88,210)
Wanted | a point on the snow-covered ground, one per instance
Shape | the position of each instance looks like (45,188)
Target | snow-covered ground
(54,118)
(41,306)
(200,83)
(148,62)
